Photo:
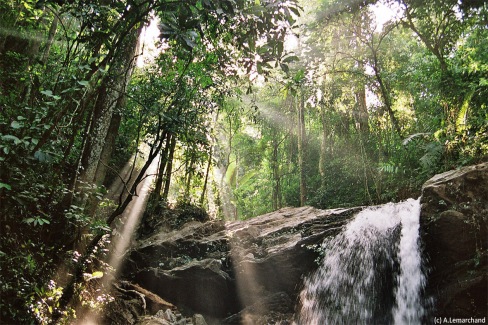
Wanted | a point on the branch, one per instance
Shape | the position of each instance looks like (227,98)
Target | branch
(118,175)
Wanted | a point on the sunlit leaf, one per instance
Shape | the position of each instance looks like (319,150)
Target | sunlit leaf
(83,83)
(11,137)
(5,186)
(47,92)
(97,274)
(15,125)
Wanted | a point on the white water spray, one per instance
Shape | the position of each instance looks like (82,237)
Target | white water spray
(411,280)
(371,272)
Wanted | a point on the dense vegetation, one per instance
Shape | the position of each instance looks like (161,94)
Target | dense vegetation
(247,106)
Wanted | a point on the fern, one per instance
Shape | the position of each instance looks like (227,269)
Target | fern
(414,136)
(389,168)
(432,156)
(463,113)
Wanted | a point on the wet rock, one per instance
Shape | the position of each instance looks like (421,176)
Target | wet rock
(198,285)
(252,271)
(169,317)
(454,222)
(218,269)
(267,310)
(199,320)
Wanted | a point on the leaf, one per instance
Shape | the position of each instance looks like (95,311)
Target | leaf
(42,156)
(413,136)
(463,112)
(279,47)
(11,137)
(84,83)
(15,125)
(295,11)
(47,92)
(43,221)
(189,41)
(5,186)
(290,58)
(97,274)
(284,67)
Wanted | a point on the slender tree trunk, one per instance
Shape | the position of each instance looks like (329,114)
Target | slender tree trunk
(385,94)
(323,147)
(276,174)
(189,175)
(162,165)
(169,169)
(386,98)
(293,133)
(50,40)
(431,45)
(362,113)
(207,172)
(302,147)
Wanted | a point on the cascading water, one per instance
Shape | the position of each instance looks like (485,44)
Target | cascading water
(371,272)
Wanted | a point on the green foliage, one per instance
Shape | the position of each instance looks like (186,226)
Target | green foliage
(58,61)
(25,269)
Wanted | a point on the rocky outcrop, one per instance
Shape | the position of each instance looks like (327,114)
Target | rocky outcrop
(250,272)
(454,222)
(251,268)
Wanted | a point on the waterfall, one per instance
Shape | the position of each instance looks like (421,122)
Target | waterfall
(371,272)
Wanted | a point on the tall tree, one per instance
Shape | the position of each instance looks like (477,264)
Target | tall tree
(110,98)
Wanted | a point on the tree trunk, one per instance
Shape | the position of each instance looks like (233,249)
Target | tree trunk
(107,149)
(189,175)
(79,267)
(293,135)
(362,115)
(323,147)
(111,95)
(169,169)
(162,165)
(302,147)
(207,172)
(386,98)
(362,110)
(276,174)
(50,40)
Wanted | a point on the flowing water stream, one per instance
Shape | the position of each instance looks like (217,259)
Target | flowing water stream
(371,272)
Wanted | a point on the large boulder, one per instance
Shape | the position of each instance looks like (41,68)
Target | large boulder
(251,272)
(454,219)
(223,268)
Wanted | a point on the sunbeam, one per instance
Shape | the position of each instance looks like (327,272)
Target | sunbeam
(122,237)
